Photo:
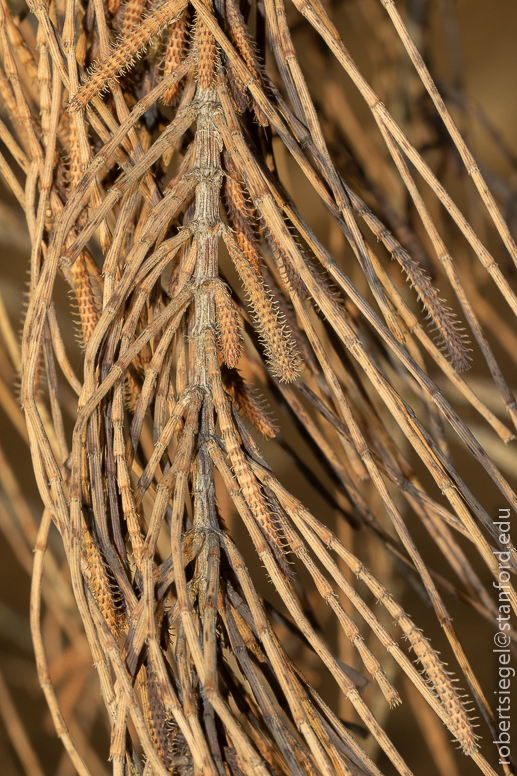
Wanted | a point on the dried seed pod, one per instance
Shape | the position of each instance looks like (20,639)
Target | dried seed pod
(241,213)
(262,512)
(280,348)
(445,324)
(75,170)
(442,684)
(286,311)
(123,55)
(87,304)
(229,327)
(102,584)
(133,11)
(438,676)
(156,717)
(250,488)
(238,91)
(247,400)
(290,277)
(175,51)
(242,39)
(206,52)
(132,390)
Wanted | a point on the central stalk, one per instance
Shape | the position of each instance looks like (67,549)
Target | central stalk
(206,222)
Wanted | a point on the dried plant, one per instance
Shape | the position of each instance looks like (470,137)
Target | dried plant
(149,139)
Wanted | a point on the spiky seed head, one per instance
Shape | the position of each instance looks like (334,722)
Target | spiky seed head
(229,328)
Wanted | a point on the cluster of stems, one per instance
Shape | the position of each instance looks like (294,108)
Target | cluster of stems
(149,140)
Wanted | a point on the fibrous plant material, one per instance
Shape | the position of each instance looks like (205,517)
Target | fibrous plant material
(195,276)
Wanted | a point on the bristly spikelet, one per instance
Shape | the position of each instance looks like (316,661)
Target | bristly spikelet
(288,314)
(102,584)
(123,55)
(247,401)
(266,518)
(206,51)
(75,170)
(290,277)
(132,390)
(229,328)
(238,93)
(132,11)
(445,323)
(241,214)
(281,351)
(258,504)
(441,683)
(175,50)
(86,302)
(242,39)
(156,717)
